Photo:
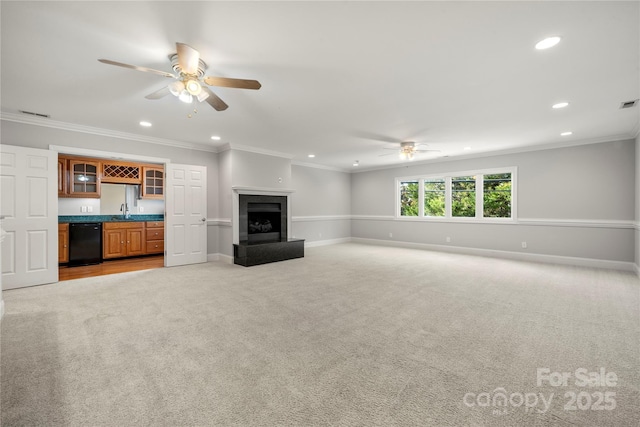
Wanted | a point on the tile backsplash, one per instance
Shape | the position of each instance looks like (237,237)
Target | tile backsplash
(74,206)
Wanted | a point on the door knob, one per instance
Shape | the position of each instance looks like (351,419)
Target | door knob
(203,219)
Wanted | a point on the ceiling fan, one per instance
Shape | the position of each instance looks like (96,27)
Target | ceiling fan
(408,149)
(189,78)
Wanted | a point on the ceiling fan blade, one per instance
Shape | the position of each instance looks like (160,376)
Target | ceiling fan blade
(136,67)
(214,100)
(159,93)
(188,58)
(235,83)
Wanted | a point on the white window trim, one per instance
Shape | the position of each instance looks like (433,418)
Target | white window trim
(478,173)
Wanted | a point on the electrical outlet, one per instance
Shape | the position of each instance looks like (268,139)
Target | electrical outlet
(140,209)
(448,239)
(391,235)
(319,234)
(89,208)
(524,245)
(83,209)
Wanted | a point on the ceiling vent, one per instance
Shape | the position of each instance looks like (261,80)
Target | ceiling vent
(629,104)
(35,114)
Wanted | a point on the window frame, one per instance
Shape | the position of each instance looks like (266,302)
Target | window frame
(479,196)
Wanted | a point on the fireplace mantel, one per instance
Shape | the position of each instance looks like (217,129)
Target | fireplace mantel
(266,191)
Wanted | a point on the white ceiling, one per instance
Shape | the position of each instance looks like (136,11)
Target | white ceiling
(341,80)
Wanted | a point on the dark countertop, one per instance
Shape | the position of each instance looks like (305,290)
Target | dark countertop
(109,218)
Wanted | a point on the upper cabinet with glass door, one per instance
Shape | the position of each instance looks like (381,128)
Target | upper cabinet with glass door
(153,182)
(84,178)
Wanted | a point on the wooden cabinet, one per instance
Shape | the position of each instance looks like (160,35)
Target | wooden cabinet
(121,172)
(63,177)
(123,239)
(154,237)
(153,182)
(63,243)
(113,243)
(82,176)
(78,177)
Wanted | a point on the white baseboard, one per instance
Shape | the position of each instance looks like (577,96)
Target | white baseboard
(637,270)
(551,259)
(220,257)
(326,242)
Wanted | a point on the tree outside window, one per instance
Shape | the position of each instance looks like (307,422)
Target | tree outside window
(463,196)
(434,197)
(497,196)
(409,198)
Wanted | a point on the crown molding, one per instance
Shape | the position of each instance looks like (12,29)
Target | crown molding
(506,151)
(255,150)
(635,131)
(71,127)
(316,166)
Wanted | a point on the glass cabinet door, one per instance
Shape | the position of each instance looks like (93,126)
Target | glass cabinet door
(85,178)
(153,185)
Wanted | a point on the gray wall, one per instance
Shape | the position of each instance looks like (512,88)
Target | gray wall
(255,170)
(637,201)
(557,190)
(225,232)
(321,204)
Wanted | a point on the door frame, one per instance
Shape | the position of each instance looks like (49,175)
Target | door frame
(77,151)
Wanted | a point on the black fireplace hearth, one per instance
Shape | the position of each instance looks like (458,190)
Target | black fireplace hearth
(262,227)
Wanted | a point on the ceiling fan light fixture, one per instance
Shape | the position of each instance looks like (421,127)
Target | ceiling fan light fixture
(185,97)
(176,88)
(193,87)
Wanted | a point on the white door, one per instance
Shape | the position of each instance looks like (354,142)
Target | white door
(29,207)
(186,214)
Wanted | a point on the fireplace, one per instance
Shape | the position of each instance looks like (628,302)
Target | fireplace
(262,231)
(262,218)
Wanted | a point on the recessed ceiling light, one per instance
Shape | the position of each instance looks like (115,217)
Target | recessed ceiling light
(547,43)
(311,156)
(215,138)
(356,163)
(145,124)
(467,148)
(566,133)
(560,105)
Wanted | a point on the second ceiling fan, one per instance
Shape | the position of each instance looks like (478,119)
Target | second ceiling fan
(189,78)
(408,149)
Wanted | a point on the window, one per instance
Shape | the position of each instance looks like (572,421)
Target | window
(497,195)
(409,198)
(434,197)
(483,194)
(463,196)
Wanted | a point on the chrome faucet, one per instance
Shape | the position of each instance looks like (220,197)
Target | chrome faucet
(124,208)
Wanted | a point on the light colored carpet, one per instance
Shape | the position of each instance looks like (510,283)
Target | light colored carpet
(350,335)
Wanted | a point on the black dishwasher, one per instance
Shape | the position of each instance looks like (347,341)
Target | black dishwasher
(85,243)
